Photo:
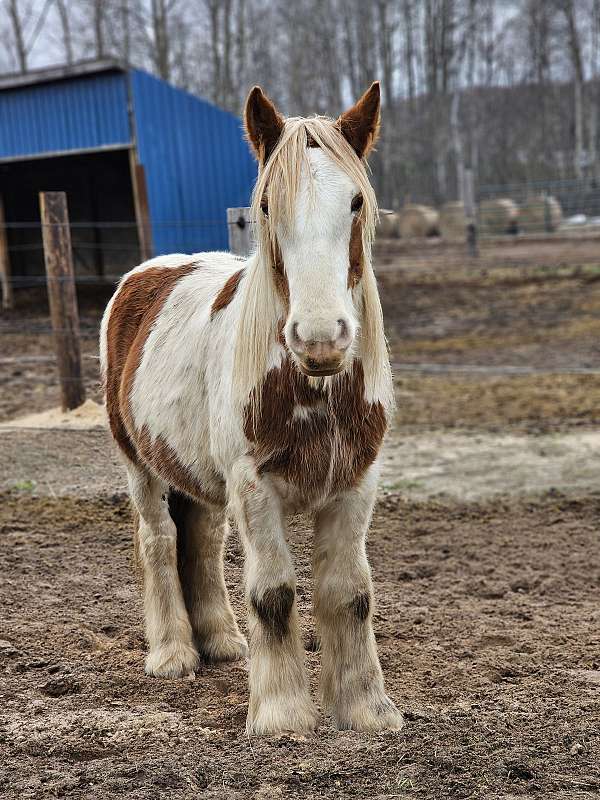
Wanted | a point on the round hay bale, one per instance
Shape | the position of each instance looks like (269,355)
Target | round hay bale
(498,216)
(417,221)
(388,225)
(453,222)
(540,213)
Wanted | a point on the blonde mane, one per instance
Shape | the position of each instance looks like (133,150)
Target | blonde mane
(261,307)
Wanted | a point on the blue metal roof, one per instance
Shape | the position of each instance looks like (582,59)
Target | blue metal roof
(84,113)
(197,165)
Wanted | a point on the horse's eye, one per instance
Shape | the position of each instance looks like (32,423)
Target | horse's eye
(357,202)
(264,206)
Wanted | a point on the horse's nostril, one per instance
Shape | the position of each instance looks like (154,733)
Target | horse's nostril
(343,328)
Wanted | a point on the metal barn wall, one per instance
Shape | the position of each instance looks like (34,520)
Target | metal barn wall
(74,114)
(197,164)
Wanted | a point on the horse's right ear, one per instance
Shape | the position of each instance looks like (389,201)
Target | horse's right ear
(263,123)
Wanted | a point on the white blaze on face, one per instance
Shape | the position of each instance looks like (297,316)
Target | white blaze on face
(315,252)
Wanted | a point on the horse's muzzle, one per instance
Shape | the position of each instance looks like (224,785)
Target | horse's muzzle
(320,359)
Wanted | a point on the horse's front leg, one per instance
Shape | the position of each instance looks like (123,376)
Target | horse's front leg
(351,682)
(279,697)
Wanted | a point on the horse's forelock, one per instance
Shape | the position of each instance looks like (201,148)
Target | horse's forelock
(279,178)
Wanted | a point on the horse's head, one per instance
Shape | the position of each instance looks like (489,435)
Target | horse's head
(316,212)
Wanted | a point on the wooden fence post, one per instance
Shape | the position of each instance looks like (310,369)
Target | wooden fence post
(8,300)
(470,213)
(240,231)
(62,297)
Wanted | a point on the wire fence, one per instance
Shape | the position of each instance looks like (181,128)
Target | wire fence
(559,220)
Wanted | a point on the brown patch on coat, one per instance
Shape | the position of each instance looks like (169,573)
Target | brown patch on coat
(273,608)
(281,282)
(339,427)
(355,269)
(227,293)
(361,606)
(360,124)
(263,124)
(136,306)
(281,332)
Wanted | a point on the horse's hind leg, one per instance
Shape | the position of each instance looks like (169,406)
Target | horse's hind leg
(201,534)
(168,630)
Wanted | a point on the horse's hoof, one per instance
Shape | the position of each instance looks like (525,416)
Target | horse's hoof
(370,715)
(223,646)
(277,715)
(172,660)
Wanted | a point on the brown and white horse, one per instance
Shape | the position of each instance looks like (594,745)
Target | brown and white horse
(257,389)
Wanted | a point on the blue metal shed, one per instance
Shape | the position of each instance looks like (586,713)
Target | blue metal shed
(133,154)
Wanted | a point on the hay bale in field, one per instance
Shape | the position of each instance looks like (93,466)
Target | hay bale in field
(417,221)
(388,225)
(540,213)
(453,221)
(498,216)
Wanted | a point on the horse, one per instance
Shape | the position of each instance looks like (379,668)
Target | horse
(254,389)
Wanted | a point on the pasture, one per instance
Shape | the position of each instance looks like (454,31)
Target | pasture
(484,549)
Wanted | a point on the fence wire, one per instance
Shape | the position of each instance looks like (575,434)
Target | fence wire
(558,221)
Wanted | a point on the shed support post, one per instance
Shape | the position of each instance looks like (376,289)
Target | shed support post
(62,298)
(8,300)
(239,227)
(142,209)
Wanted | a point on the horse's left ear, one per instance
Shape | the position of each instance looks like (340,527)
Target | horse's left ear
(360,124)
(263,123)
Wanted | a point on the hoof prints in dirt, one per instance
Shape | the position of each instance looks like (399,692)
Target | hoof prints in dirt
(487,619)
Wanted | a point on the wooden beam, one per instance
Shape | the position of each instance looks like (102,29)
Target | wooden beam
(140,203)
(8,300)
(62,297)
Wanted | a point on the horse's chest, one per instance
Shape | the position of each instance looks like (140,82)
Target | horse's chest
(319,442)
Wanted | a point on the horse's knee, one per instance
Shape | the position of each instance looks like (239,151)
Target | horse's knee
(360,606)
(346,597)
(273,608)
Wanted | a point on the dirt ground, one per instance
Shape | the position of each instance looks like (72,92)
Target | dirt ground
(488,623)
(484,548)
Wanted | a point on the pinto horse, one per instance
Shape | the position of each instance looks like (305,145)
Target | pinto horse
(255,389)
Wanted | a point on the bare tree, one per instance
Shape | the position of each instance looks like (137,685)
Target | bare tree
(65,22)
(98,8)
(409,47)
(575,48)
(510,88)
(161,40)
(17,22)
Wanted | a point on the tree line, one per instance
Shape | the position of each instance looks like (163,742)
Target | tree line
(508,88)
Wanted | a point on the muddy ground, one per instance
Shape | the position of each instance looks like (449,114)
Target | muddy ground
(484,547)
(488,623)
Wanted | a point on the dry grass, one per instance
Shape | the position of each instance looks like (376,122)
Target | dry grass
(533,403)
